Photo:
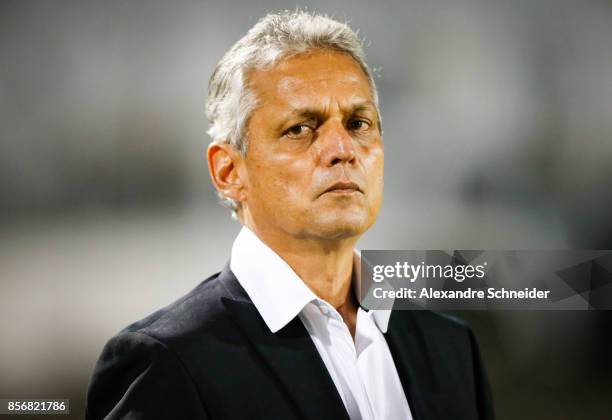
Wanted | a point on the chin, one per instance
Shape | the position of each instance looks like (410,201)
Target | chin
(341,226)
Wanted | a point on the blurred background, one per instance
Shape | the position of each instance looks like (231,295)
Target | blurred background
(498,133)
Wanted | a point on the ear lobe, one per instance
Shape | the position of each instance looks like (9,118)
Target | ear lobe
(223,160)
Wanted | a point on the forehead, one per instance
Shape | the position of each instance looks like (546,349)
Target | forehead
(316,75)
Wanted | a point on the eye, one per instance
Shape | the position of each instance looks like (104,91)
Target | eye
(299,131)
(358,124)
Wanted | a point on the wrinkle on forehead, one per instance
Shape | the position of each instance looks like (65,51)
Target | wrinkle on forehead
(312,80)
(291,84)
(311,67)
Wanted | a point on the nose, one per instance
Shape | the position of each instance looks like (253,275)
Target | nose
(336,146)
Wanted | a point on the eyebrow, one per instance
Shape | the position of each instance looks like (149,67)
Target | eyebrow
(318,113)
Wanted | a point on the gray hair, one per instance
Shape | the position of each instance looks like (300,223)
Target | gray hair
(276,36)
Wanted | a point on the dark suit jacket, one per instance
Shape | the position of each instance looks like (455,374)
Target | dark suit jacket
(210,355)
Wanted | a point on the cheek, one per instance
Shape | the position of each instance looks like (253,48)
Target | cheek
(374,166)
(280,182)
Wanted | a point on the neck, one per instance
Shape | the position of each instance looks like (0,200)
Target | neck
(325,266)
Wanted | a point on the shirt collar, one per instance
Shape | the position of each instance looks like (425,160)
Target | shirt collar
(275,289)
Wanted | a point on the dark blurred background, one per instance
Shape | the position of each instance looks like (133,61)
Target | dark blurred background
(498,133)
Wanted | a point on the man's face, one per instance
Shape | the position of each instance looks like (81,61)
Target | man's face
(314,167)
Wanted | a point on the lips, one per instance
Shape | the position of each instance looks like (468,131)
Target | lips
(343,187)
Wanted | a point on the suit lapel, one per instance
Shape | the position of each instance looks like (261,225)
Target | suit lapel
(290,354)
(414,368)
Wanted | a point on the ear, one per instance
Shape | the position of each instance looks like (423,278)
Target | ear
(224,162)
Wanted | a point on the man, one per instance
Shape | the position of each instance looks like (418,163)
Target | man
(297,154)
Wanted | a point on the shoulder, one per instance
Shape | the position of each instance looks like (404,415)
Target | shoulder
(155,356)
(431,321)
(440,321)
(197,313)
(195,323)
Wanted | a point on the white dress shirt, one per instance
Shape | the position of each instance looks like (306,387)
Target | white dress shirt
(362,370)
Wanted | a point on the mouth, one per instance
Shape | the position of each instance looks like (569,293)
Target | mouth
(343,187)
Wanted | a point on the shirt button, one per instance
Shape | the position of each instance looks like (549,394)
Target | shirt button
(324,310)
